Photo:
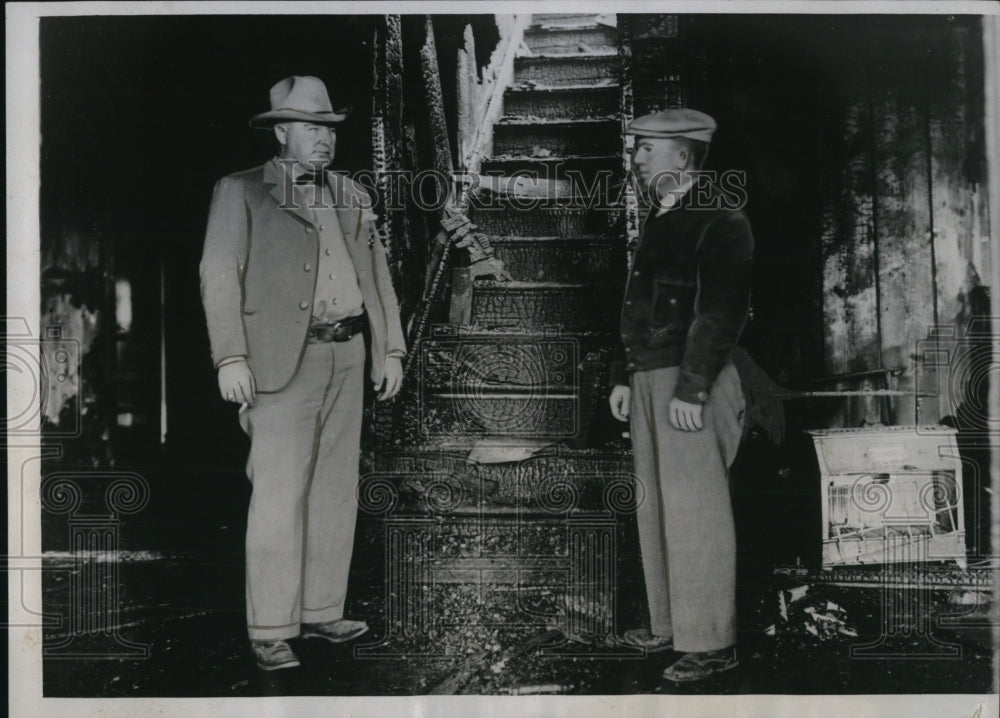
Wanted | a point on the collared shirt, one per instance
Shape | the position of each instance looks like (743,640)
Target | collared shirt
(673,198)
(337,295)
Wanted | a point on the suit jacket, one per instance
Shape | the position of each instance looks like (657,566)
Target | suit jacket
(258,272)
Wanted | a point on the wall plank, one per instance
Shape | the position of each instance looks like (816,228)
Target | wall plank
(958,188)
(850,301)
(902,205)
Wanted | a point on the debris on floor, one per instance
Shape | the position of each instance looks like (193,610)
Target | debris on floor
(962,597)
(805,611)
(498,450)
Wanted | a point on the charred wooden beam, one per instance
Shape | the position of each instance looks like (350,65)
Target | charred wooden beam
(387,136)
(626,108)
(431,77)
(848,230)
(480,260)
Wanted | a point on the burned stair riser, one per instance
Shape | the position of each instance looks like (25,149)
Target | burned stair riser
(541,219)
(558,139)
(569,70)
(543,306)
(583,169)
(546,386)
(564,418)
(571,104)
(587,262)
(563,19)
(517,491)
(486,366)
(570,39)
(518,415)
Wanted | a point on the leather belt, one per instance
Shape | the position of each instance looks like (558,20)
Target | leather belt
(337,332)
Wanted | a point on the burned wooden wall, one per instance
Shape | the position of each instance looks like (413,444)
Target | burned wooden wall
(904,236)
(862,140)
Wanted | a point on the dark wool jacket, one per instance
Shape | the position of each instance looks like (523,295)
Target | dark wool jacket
(688,293)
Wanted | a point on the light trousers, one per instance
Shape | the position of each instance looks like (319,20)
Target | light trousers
(685,518)
(303,465)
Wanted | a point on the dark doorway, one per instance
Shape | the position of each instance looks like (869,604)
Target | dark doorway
(140,117)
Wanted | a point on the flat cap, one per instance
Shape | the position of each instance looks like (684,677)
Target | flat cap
(682,122)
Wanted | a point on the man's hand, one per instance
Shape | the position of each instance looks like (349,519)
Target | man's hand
(236,382)
(685,415)
(393,378)
(620,400)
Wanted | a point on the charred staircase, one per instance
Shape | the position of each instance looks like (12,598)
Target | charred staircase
(504,496)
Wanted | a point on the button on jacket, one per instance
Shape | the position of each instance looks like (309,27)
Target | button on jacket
(688,293)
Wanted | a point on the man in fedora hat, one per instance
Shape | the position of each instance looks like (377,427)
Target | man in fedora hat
(291,274)
(685,306)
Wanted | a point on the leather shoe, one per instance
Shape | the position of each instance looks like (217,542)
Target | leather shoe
(272,655)
(699,666)
(337,631)
(647,640)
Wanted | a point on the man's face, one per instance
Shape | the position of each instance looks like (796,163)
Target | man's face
(312,146)
(652,157)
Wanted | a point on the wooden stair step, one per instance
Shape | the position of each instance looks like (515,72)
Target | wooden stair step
(570,38)
(556,70)
(564,19)
(595,480)
(540,304)
(562,102)
(500,215)
(562,137)
(562,259)
(554,166)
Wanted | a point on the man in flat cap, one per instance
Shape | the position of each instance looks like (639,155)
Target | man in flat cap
(291,274)
(686,303)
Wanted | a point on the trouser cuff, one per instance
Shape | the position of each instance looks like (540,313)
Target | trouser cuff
(273,633)
(322,615)
(704,645)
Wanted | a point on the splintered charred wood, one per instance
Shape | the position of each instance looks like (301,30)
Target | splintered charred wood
(465,90)
(467,236)
(387,134)
(457,230)
(626,109)
(431,75)
(435,274)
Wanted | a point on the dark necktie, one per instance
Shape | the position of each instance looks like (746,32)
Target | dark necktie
(317,178)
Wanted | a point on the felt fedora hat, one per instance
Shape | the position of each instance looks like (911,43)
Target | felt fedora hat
(300,99)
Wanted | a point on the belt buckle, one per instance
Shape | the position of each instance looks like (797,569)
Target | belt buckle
(340,332)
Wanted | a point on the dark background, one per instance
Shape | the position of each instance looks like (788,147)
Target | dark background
(140,117)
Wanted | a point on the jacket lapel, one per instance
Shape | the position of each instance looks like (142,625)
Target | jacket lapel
(275,177)
(281,190)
